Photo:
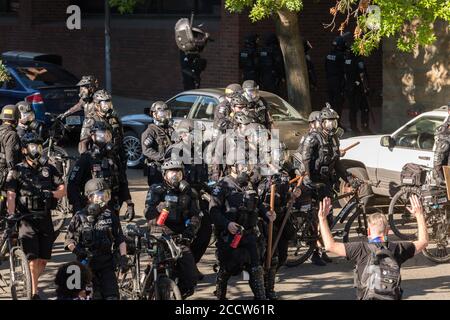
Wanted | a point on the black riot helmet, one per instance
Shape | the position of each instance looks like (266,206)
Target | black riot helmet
(10,113)
(103,103)
(98,193)
(173,172)
(329,120)
(88,85)
(238,102)
(242,171)
(232,89)
(161,113)
(32,147)
(251,90)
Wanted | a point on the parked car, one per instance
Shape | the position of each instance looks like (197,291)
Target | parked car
(380,159)
(199,105)
(39,79)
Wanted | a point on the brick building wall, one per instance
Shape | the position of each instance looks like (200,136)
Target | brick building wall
(145,59)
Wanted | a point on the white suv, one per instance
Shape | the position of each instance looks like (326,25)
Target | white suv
(381,158)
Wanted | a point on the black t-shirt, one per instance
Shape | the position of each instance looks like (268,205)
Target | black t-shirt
(359,252)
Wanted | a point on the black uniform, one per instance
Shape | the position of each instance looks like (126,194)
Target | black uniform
(183,219)
(441,151)
(259,110)
(197,177)
(231,202)
(99,237)
(320,157)
(334,68)
(248,60)
(312,77)
(155,140)
(271,67)
(356,88)
(192,65)
(222,119)
(28,183)
(94,164)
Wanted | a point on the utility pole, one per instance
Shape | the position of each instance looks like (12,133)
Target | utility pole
(108,83)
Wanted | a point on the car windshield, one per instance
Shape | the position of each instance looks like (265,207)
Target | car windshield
(45,76)
(281,110)
(419,134)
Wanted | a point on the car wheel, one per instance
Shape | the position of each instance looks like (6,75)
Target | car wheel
(133,149)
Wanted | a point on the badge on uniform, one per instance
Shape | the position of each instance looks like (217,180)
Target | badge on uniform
(45,172)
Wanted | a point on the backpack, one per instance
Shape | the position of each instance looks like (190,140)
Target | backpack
(412,174)
(380,279)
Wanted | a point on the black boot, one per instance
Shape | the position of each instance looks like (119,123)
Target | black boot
(221,284)
(256,282)
(317,260)
(269,283)
(326,258)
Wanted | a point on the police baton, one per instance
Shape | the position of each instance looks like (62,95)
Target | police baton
(270,230)
(350,146)
(286,216)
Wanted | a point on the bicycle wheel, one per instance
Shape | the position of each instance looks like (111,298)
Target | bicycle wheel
(439,228)
(402,223)
(167,289)
(125,282)
(20,275)
(302,246)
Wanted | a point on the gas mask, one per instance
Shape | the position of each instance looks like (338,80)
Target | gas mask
(99,198)
(93,211)
(102,139)
(330,126)
(105,108)
(33,152)
(252,94)
(27,117)
(173,178)
(242,172)
(163,116)
(84,93)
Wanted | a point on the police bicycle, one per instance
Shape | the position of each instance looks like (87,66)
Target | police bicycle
(62,161)
(157,281)
(437,215)
(304,220)
(19,279)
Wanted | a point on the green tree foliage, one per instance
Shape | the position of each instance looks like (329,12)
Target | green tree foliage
(4,75)
(261,9)
(124,6)
(409,21)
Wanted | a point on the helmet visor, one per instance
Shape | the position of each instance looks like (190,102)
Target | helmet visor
(163,115)
(330,124)
(106,106)
(100,197)
(34,151)
(26,117)
(252,93)
(174,176)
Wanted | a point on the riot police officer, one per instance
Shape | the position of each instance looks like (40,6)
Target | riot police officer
(156,139)
(277,174)
(258,106)
(175,197)
(248,58)
(441,149)
(99,161)
(34,188)
(357,89)
(320,162)
(312,77)
(93,236)
(271,65)
(192,65)
(233,208)
(334,69)
(88,86)
(189,150)
(27,121)
(222,120)
(10,154)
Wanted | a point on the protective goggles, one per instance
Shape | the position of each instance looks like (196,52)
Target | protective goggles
(252,93)
(34,151)
(330,124)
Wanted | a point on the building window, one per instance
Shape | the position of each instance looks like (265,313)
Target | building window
(9,6)
(160,7)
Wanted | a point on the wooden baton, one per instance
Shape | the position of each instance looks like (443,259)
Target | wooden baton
(270,229)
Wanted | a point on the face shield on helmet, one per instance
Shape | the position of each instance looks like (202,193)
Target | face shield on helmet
(105,107)
(27,117)
(163,115)
(84,92)
(252,94)
(100,197)
(330,125)
(173,177)
(33,152)
(101,137)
